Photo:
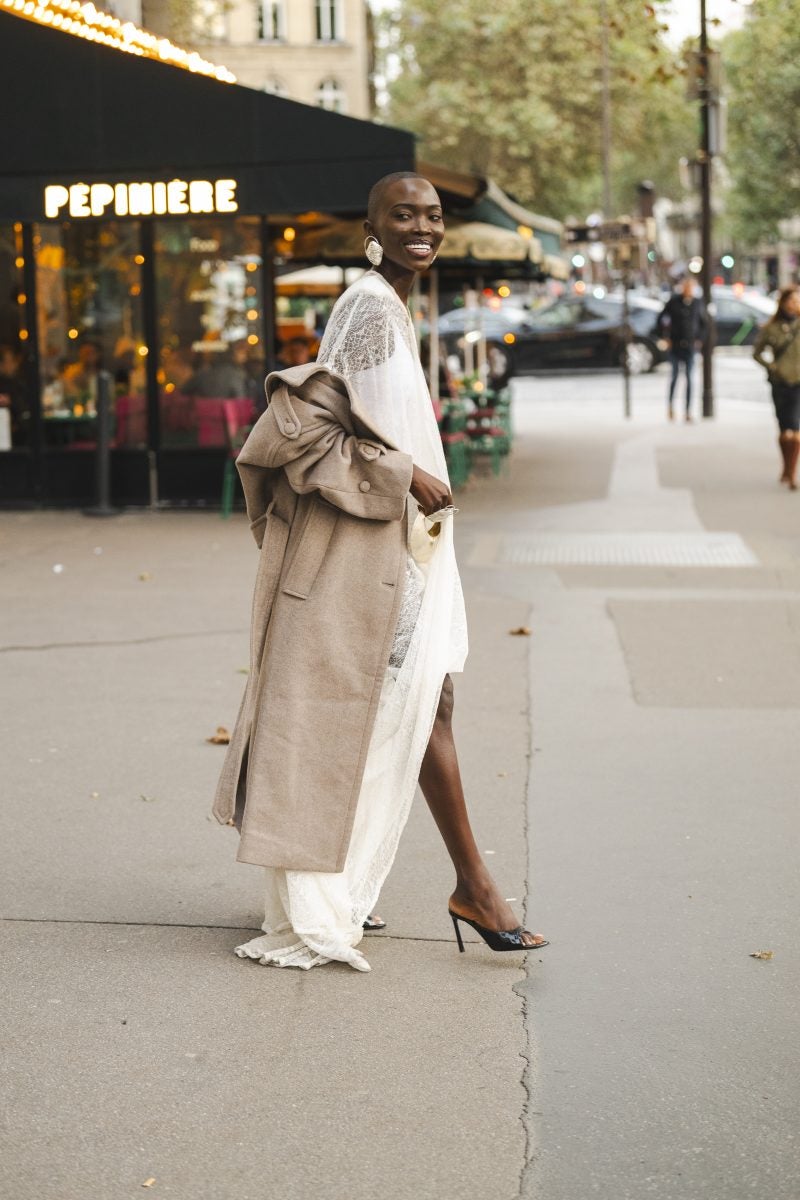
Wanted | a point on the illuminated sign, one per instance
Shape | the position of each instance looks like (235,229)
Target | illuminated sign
(141,199)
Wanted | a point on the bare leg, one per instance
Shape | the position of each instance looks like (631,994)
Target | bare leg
(476,893)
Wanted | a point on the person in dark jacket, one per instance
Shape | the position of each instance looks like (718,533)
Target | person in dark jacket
(683,322)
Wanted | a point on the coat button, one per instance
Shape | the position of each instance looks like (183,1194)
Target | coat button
(289,426)
(363,486)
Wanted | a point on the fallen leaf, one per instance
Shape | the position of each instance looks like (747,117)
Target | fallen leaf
(94,795)
(242,670)
(145,577)
(765,955)
(149,1182)
(231,822)
(147,799)
(520,631)
(220,738)
(502,774)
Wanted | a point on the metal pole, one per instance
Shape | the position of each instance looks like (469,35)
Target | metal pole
(433,326)
(469,354)
(102,456)
(481,344)
(147,245)
(269,318)
(705,215)
(606,109)
(625,253)
(32,364)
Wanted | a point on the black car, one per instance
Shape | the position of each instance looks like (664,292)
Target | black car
(739,314)
(573,332)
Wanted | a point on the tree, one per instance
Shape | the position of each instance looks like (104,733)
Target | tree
(761,60)
(514,90)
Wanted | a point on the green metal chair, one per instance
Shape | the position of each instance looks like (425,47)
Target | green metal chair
(235,435)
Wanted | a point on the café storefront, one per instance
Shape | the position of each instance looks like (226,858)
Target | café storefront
(141,212)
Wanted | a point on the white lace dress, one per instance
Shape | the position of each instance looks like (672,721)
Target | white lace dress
(315,917)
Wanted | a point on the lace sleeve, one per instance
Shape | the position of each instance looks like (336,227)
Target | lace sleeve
(359,335)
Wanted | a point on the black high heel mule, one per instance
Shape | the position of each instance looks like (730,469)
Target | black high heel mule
(496,939)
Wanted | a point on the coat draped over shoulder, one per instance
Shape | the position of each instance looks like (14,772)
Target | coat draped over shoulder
(326,496)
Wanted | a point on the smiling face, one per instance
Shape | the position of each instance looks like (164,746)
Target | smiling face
(406,218)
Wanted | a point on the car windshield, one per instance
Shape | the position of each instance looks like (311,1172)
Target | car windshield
(509,316)
(562,314)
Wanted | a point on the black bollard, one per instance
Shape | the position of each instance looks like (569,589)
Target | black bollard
(102,506)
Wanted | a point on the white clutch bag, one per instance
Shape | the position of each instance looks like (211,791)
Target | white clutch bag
(425,533)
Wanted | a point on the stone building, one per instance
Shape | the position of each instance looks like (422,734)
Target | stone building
(316,51)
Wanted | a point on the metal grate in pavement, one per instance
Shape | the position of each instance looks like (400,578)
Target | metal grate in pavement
(626,550)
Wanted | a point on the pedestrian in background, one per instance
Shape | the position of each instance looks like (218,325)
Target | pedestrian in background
(683,322)
(777,348)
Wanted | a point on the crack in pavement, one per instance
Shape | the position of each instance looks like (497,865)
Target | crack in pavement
(144,641)
(391,937)
(520,989)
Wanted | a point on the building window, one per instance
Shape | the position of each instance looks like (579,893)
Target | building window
(329,20)
(275,88)
(330,95)
(271,21)
(209,21)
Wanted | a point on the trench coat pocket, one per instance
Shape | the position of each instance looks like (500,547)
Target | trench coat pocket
(311,550)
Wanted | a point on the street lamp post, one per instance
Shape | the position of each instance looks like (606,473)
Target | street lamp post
(606,109)
(705,213)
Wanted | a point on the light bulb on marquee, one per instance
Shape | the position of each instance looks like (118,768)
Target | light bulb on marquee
(87,22)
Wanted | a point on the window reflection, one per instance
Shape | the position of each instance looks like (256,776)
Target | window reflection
(14,399)
(90,320)
(209,288)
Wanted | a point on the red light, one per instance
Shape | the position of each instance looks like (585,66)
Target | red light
(488,291)
(718,279)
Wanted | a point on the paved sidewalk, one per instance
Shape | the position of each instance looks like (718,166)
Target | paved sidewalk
(643,1054)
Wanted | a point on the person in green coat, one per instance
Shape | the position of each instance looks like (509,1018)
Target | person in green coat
(777,348)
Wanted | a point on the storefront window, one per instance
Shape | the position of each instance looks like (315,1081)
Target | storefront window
(14,400)
(209,301)
(90,320)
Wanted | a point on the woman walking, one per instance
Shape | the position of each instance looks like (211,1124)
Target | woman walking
(358,621)
(777,348)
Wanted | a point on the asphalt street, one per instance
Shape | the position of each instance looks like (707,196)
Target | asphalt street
(631,764)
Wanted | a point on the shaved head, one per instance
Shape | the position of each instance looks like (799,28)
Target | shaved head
(379,189)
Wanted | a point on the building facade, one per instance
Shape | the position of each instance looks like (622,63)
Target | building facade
(316,51)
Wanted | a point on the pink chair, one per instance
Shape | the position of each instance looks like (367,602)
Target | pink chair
(131,415)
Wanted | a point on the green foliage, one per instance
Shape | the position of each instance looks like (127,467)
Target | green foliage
(764,119)
(514,90)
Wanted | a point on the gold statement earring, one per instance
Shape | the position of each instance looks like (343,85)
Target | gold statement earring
(373,250)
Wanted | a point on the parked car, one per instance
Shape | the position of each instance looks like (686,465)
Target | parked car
(739,314)
(573,332)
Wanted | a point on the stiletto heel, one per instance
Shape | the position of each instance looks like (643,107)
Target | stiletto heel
(496,939)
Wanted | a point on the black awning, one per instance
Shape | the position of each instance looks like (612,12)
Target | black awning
(79,112)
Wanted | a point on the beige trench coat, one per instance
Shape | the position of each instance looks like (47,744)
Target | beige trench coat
(326,496)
